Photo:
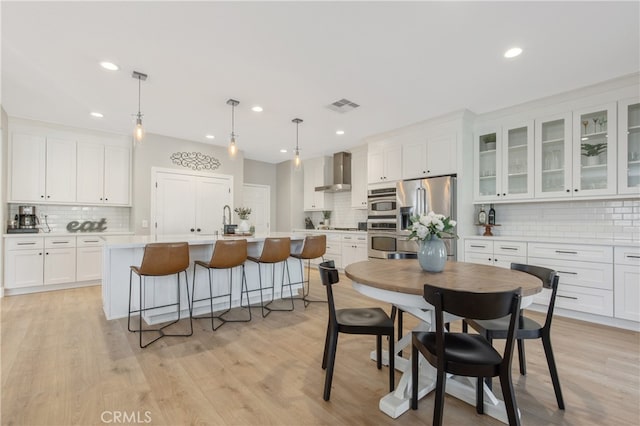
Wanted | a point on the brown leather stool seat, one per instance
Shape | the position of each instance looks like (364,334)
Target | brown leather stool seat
(313,247)
(227,254)
(274,251)
(160,259)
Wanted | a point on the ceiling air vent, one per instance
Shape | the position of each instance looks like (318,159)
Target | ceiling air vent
(343,105)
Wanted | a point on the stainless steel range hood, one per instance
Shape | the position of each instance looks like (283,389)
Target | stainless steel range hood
(341,174)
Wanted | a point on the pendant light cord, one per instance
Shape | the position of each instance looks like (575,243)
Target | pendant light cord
(139,92)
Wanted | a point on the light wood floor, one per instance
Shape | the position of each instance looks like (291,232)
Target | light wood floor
(64,364)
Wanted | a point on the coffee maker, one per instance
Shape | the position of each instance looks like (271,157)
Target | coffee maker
(27,219)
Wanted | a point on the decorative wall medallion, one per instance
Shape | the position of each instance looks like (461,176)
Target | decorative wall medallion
(195,160)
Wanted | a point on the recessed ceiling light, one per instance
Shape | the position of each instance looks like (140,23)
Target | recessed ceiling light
(109,66)
(97,114)
(339,132)
(210,137)
(283,151)
(513,52)
(257,108)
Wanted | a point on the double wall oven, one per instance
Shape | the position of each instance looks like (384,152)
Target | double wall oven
(382,222)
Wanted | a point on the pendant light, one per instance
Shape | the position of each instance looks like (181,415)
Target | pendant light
(297,163)
(138,131)
(233,149)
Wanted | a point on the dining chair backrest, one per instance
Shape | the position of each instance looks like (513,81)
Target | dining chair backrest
(550,280)
(314,246)
(164,259)
(228,254)
(482,306)
(275,250)
(329,276)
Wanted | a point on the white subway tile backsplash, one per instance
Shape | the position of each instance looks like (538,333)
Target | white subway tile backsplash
(342,214)
(58,216)
(602,219)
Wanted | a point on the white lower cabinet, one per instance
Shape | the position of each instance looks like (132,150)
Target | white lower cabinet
(354,249)
(586,275)
(42,261)
(627,283)
(496,253)
(334,249)
(89,259)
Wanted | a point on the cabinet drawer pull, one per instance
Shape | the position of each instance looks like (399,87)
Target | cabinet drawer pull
(27,244)
(474,246)
(631,256)
(565,272)
(509,248)
(566,252)
(59,242)
(91,241)
(567,297)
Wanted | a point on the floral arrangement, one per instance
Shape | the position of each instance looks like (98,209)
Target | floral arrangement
(243,212)
(423,227)
(326,214)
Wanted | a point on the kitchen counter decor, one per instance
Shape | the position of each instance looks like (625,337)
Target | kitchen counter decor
(243,213)
(429,229)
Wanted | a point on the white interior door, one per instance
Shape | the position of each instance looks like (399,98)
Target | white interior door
(175,204)
(211,196)
(258,199)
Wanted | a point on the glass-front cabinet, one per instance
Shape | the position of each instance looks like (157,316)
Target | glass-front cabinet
(487,164)
(629,146)
(504,163)
(553,157)
(517,161)
(594,151)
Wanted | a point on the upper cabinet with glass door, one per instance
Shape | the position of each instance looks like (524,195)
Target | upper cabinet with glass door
(517,161)
(594,151)
(629,146)
(487,147)
(553,156)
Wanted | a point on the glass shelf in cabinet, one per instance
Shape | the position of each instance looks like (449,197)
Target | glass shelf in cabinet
(519,174)
(634,129)
(488,151)
(550,141)
(595,134)
(553,171)
(518,146)
(487,177)
(594,166)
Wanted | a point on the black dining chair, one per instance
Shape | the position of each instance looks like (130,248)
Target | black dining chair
(466,354)
(527,328)
(369,321)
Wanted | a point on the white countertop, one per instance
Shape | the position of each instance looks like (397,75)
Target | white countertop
(559,240)
(68,234)
(129,241)
(328,231)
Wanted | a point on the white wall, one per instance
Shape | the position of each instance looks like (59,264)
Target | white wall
(259,173)
(289,198)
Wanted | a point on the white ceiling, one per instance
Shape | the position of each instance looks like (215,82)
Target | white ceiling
(402,62)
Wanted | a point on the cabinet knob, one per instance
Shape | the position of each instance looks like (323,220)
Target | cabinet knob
(47,253)
(106,199)
(498,195)
(198,229)
(48,196)
(575,190)
(568,190)
(42,196)
(100,198)
(40,254)
(504,194)
(192,229)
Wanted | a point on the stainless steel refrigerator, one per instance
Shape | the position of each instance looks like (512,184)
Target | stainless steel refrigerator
(418,196)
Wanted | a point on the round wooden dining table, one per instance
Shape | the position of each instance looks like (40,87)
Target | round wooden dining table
(401,283)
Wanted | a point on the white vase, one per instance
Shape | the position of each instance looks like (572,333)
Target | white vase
(593,160)
(244,226)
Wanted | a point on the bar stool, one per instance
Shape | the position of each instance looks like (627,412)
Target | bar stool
(313,247)
(274,251)
(160,259)
(227,254)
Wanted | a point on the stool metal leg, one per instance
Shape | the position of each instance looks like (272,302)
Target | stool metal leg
(282,284)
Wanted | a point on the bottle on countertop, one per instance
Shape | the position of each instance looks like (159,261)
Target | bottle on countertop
(482,216)
(492,215)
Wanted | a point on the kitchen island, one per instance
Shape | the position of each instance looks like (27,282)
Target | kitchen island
(120,252)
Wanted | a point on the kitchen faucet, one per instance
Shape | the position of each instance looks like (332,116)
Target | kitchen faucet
(224,217)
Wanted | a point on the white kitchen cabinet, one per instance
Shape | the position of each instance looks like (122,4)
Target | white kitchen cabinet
(359,178)
(496,253)
(433,156)
(317,172)
(595,151)
(553,156)
(384,162)
(627,283)
(503,162)
(629,146)
(334,248)
(43,169)
(24,265)
(585,272)
(354,248)
(88,258)
(103,174)
(59,260)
